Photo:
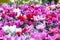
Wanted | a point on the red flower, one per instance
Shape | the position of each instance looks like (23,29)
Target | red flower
(31,6)
(29,16)
(50,16)
(18,33)
(26,8)
(46,16)
(53,15)
(52,33)
(24,30)
(21,18)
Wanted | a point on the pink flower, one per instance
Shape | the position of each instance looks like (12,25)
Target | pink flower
(40,26)
(1,33)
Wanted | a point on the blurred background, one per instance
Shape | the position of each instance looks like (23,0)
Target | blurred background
(29,1)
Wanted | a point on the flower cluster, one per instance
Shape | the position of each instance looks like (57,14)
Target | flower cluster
(30,22)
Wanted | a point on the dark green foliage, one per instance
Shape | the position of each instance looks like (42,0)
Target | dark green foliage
(49,1)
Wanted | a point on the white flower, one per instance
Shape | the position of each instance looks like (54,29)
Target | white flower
(18,11)
(18,30)
(9,29)
(41,18)
(5,28)
(35,18)
(53,6)
(12,28)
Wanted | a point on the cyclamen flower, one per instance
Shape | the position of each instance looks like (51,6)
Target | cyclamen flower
(5,28)
(59,17)
(18,11)
(30,22)
(21,18)
(1,10)
(31,38)
(55,20)
(9,29)
(10,23)
(13,15)
(18,23)
(38,18)
(43,35)
(30,16)
(2,33)
(29,28)
(40,26)
(24,30)
(50,16)
(18,31)
(19,37)
(53,6)
(12,29)
(57,37)
(34,36)
(53,31)
(5,16)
